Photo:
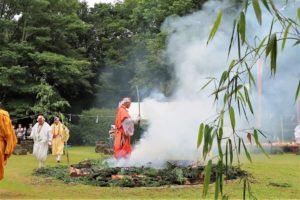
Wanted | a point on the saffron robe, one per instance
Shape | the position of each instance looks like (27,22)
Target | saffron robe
(122,146)
(8,139)
(60,135)
(41,136)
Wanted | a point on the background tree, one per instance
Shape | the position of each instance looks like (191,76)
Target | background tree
(42,55)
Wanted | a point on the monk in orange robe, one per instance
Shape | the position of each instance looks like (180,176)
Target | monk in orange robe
(8,140)
(123,131)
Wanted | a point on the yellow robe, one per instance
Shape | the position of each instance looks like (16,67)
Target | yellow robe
(60,135)
(8,139)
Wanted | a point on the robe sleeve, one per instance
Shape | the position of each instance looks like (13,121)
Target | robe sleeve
(8,133)
(66,133)
(128,126)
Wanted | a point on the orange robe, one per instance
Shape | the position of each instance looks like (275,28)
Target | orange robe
(8,139)
(122,146)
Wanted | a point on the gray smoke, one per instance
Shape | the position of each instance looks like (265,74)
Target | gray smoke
(173,130)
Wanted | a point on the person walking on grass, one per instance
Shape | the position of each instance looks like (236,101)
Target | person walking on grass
(8,140)
(60,135)
(41,135)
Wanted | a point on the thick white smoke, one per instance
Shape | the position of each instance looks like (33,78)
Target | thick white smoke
(173,129)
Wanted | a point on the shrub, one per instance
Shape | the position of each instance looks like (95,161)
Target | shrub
(88,131)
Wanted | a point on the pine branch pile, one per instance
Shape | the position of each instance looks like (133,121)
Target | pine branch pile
(100,175)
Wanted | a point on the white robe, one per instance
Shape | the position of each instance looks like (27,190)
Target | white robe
(41,140)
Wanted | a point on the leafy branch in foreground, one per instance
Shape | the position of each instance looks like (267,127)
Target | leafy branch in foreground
(235,84)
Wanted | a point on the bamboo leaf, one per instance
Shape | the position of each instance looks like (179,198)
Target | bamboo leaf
(219,179)
(239,107)
(206,84)
(260,45)
(221,176)
(236,89)
(258,143)
(246,151)
(248,99)
(212,136)
(245,112)
(219,90)
(249,137)
(296,43)
(232,64)
(220,135)
(270,44)
(299,14)
(261,133)
(220,149)
(241,97)
(246,5)
(275,10)
(255,137)
(200,135)
(222,118)
(225,98)
(268,49)
(232,36)
(239,146)
(242,27)
(274,56)
(223,78)
(257,10)
(244,190)
(266,5)
(207,140)
(226,156)
(217,186)
(251,78)
(297,91)
(207,174)
(215,27)
(230,151)
(239,41)
(232,117)
(285,35)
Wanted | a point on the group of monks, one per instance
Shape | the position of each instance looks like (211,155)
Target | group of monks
(44,135)
(56,135)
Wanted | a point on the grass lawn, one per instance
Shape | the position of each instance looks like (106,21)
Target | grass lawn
(18,182)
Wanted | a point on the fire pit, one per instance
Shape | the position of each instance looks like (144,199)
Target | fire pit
(90,172)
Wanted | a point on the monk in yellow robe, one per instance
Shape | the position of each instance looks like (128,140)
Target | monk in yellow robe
(8,140)
(60,135)
(124,127)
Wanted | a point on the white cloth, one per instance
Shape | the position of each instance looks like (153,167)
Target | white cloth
(41,137)
(128,126)
(297,134)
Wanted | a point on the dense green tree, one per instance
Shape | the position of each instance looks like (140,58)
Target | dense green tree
(42,56)
(61,55)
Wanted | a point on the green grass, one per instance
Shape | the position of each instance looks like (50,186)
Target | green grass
(18,183)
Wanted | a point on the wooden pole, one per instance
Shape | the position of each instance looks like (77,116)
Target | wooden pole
(281,122)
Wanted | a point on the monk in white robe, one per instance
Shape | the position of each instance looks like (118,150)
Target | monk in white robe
(60,135)
(41,135)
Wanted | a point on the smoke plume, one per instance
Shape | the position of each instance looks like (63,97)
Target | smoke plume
(173,130)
